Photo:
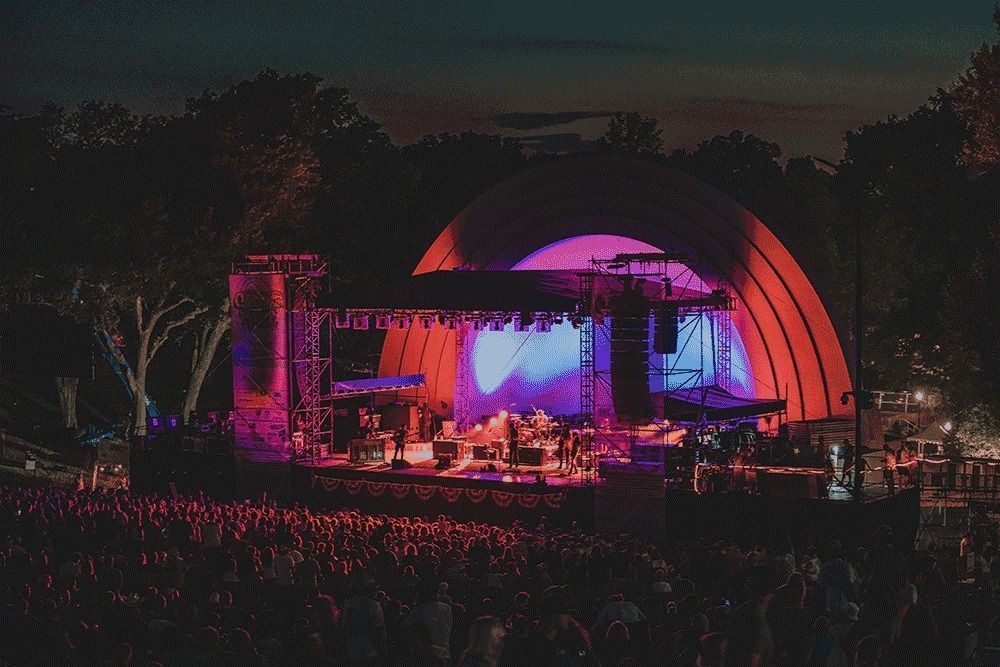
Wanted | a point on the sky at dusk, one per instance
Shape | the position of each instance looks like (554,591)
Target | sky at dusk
(797,73)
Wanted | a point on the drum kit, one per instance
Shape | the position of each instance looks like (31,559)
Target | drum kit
(538,429)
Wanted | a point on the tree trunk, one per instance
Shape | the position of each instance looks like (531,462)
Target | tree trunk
(139,407)
(141,366)
(67,387)
(149,345)
(209,346)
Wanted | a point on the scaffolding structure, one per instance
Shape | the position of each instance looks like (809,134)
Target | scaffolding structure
(593,381)
(587,412)
(296,421)
(312,366)
(723,330)
(460,410)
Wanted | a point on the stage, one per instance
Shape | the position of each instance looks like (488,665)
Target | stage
(465,490)
(641,504)
(421,463)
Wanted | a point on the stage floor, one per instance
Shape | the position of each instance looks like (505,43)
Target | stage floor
(423,463)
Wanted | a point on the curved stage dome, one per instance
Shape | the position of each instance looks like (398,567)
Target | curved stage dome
(559,216)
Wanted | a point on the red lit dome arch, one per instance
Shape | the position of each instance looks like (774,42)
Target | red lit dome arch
(790,340)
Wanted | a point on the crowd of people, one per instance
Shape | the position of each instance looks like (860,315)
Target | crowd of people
(119,578)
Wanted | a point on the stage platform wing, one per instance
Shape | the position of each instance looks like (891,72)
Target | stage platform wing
(715,403)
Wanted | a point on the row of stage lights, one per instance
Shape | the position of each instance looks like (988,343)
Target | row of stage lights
(493,422)
(523,322)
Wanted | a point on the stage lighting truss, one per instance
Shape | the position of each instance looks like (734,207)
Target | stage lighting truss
(493,321)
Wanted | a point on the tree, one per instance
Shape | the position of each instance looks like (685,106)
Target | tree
(977,433)
(283,157)
(903,182)
(742,165)
(976,98)
(632,134)
(438,176)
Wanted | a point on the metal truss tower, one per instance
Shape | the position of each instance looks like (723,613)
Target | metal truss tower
(312,367)
(587,463)
(462,360)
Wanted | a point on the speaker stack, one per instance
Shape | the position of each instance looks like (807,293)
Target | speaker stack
(665,329)
(630,356)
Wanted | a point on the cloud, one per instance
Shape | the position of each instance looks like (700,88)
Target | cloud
(533,120)
(512,44)
(565,142)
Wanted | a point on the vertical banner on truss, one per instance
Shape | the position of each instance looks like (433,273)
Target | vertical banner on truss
(261,398)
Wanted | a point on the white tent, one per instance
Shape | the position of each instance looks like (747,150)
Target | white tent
(933,435)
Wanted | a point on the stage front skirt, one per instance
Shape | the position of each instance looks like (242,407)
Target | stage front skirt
(425,492)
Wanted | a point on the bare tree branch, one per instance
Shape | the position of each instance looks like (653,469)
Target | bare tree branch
(165,334)
(163,310)
(138,313)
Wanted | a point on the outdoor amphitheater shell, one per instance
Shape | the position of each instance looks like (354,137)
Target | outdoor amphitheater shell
(789,340)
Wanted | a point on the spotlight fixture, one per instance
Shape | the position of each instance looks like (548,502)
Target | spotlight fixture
(543,325)
(522,325)
(360,321)
(383,321)
(504,414)
(342,321)
(476,323)
(479,427)
(496,323)
(401,321)
(919,395)
(426,322)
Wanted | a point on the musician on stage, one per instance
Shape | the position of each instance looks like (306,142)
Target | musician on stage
(574,452)
(424,418)
(399,440)
(513,443)
(823,453)
(563,444)
(847,467)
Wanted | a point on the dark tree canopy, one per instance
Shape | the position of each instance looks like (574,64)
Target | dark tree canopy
(103,207)
(632,134)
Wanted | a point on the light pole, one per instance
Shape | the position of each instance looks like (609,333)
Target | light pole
(918,397)
(859,392)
